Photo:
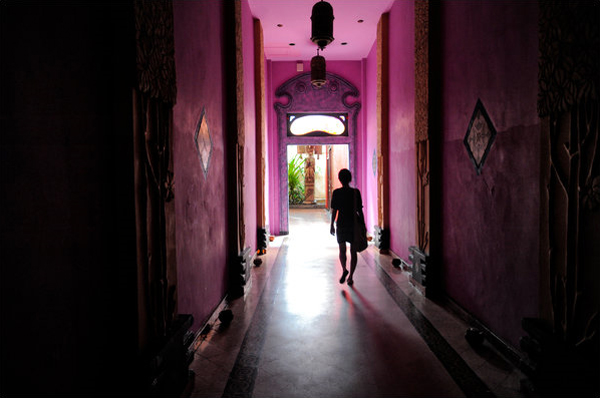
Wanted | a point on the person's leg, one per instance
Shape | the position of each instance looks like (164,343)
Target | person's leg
(353,262)
(343,261)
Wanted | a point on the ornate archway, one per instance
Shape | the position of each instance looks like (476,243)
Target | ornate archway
(303,97)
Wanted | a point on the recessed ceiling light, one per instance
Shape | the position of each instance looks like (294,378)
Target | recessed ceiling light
(292,44)
(360,21)
(279,25)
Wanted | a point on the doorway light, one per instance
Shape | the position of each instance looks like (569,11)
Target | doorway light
(317,125)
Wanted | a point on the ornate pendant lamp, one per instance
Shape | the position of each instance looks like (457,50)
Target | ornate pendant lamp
(321,35)
(322,24)
(318,71)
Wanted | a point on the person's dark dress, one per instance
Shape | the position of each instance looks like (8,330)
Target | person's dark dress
(347,201)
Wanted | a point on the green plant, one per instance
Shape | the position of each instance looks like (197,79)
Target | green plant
(296,180)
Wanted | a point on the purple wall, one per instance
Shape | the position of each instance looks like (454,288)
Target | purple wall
(402,153)
(277,74)
(249,127)
(200,203)
(271,170)
(369,191)
(491,221)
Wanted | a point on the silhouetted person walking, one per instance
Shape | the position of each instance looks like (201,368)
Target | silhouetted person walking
(346,205)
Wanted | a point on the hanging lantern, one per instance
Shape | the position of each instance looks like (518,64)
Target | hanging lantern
(322,24)
(318,71)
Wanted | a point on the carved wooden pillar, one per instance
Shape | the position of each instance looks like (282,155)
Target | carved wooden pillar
(564,344)
(261,139)
(154,97)
(382,230)
(419,254)
(240,112)
(163,336)
(422,121)
(239,254)
(569,107)
(427,145)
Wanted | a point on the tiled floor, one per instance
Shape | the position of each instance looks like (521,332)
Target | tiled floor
(299,333)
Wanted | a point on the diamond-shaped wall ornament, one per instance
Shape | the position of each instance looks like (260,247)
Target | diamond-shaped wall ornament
(480,136)
(374,163)
(203,142)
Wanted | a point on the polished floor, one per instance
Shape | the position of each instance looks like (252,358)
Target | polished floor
(298,332)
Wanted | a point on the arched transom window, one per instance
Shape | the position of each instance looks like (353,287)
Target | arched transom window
(317,125)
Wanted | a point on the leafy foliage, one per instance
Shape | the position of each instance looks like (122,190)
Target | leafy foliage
(296,180)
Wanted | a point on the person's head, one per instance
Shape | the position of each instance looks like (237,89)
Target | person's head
(345,176)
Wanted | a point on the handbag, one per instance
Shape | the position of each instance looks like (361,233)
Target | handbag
(360,234)
(359,242)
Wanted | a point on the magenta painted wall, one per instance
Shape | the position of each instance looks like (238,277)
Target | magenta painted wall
(369,191)
(490,222)
(402,164)
(249,127)
(277,74)
(271,171)
(200,203)
(267,146)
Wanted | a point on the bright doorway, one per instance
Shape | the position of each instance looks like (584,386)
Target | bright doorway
(312,173)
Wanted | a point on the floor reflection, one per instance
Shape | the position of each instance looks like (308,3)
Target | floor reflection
(299,332)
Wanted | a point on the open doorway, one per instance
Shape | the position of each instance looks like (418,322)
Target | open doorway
(312,175)
(316,117)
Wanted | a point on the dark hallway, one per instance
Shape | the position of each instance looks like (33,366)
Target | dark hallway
(145,190)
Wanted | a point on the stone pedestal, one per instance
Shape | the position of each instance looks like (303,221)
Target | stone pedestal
(382,239)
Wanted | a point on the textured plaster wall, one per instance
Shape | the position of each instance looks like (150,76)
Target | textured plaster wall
(267,159)
(402,163)
(369,191)
(271,171)
(491,221)
(200,202)
(277,74)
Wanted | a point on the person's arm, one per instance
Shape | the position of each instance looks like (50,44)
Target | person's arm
(359,205)
(333,215)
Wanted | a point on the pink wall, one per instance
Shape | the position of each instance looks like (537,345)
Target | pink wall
(267,159)
(200,203)
(402,164)
(490,221)
(277,74)
(369,191)
(271,171)
(249,127)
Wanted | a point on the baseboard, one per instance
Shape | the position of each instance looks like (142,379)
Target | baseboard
(202,332)
(406,267)
(510,352)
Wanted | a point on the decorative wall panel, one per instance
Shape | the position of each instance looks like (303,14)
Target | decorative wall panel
(479,137)
(422,111)
(153,163)
(568,102)
(203,142)
(383,103)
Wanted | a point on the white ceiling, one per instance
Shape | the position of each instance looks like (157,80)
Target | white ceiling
(294,15)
